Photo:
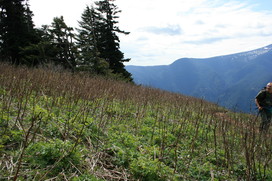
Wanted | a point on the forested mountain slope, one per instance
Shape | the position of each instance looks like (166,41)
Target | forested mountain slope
(230,80)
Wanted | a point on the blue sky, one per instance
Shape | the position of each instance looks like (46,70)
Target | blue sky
(164,31)
(259,6)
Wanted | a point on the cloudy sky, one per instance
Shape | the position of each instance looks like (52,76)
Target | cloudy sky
(163,31)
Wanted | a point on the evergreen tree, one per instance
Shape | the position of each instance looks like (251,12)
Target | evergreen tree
(108,41)
(29,23)
(62,38)
(44,51)
(98,41)
(16,29)
(89,56)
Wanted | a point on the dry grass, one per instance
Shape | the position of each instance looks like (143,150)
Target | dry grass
(206,128)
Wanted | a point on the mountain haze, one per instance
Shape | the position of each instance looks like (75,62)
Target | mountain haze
(230,80)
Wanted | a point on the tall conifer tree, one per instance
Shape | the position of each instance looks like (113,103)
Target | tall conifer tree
(16,29)
(108,42)
(89,57)
(98,40)
(62,38)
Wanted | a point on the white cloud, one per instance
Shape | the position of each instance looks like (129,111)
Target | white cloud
(208,28)
(163,31)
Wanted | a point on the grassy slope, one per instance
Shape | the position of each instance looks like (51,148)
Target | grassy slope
(62,126)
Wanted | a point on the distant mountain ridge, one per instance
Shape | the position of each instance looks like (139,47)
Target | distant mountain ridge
(230,80)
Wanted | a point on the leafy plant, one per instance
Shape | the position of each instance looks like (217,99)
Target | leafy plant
(65,126)
(60,155)
(145,168)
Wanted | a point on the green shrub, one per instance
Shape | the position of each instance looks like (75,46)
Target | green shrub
(124,146)
(86,177)
(10,138)
(58,153)
(145,168)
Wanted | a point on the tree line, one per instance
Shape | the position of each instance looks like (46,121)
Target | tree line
(93,47)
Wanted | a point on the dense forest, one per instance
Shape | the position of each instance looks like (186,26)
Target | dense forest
(93,47)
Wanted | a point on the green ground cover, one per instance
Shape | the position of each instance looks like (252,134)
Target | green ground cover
(64,126)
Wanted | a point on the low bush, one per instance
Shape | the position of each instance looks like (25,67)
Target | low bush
(56,154)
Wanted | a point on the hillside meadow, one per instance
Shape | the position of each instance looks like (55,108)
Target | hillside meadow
(57,125)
